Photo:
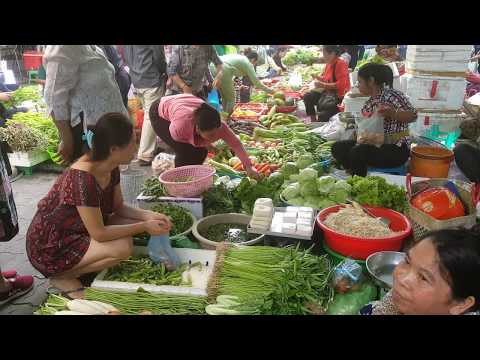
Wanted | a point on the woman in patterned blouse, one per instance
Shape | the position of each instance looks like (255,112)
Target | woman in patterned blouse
(376,81)
(439,276)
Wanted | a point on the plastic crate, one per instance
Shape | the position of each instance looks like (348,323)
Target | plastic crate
(32,60)
(28,159)
(206,257)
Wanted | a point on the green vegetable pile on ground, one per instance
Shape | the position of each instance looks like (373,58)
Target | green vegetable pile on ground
(46,126)
(181,218)
(143,270)
(23,94)
(218,200)
(157,304)
(272,281)
(153,187)
(22,138)
(235,233)
(376,191)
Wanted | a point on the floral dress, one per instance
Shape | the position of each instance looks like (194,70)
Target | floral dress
(57,239)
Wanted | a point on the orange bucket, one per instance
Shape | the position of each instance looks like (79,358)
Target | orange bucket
(430,162)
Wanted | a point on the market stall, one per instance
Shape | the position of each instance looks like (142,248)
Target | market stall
(301,240)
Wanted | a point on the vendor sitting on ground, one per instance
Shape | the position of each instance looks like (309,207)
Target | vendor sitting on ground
(321,103)
(439,276)
(376,81)
(83,226)
(235,65)
(189,126)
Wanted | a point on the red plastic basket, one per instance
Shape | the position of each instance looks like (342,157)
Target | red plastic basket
(361,248)
(32,60)
(202,180)
(286,109)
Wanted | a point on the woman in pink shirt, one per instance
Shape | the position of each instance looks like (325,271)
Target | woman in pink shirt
(189,126)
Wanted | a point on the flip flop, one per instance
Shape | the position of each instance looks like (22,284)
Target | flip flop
(9,274)
(65,294)
(16,292)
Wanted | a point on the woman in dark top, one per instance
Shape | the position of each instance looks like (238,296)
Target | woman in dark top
(121,75)
(82,225)
(376,81)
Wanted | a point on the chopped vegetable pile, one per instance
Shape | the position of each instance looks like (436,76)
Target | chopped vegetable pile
(153,187)
(235,233)
(181,218)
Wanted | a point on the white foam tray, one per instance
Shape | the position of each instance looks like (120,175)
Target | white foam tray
(206,257)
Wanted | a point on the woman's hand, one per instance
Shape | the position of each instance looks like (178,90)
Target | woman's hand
(152,215)
(157,227)
(217,82)
(386,111)
(251,172)
(4,96)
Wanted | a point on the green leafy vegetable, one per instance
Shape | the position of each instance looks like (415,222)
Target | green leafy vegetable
(181,218)
(153,187)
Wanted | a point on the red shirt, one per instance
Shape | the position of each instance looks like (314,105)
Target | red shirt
(341,75)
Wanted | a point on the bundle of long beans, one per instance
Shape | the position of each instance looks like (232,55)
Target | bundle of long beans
(158,304)
(275,280)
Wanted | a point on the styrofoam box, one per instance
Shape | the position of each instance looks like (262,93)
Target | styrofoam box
(206,257)
(27,159)
(449,94)
(354,104)
(448,122)
(438,58)
(194,205)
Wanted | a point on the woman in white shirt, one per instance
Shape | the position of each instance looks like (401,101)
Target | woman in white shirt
(80,88)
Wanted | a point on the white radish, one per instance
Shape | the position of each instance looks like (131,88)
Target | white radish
(85,306)
(105,306)
(66,312)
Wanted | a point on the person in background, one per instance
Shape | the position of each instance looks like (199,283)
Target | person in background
(376,81)
(148,68)
(80,88)
(121,75)
(345,54)
(278,54)
(467,158)
(82,225)
(236,65)
(354,52)
(402,52)
(269,69)
(388,52)
(329,88)
(439,276)
(189,126)
(188,69)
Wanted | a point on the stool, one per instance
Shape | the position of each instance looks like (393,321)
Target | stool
(400,170)
(32,74)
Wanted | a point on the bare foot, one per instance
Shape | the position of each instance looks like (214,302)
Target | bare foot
(67,285)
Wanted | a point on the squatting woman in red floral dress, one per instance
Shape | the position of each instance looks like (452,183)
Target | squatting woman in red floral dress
(83,225)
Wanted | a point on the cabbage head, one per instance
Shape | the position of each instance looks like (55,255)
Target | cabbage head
(298,201)
(291,191)
(325,184)
(289,169)
(308,188)
(305,161)
(339,196)
(307,175)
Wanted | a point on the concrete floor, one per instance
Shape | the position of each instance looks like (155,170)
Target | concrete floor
(27,191)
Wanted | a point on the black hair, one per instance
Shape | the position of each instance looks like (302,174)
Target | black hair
(459,253)
(251,54)
(207,118)
(381,74)
(332,49)
(112,129)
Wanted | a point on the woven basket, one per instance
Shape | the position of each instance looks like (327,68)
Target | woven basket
(423,223)
(202,180)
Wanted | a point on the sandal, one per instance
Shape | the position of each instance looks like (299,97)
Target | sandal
(9,274)
(65,294)
(19,287)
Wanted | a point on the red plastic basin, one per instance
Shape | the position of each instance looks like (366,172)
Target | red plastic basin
(361,248)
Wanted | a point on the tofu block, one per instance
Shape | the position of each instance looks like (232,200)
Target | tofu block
(303,221)
(292,209)
(290,218)
(289,228)
(276,228)
(305,215)
(304,230)
(305,209)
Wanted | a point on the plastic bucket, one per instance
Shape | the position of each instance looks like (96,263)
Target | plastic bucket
(430,162)
(131,183)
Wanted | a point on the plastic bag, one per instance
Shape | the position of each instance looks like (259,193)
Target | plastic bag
(347,276)
(160,251)
(370,129)
(334,130)
(162,163)
(352,302)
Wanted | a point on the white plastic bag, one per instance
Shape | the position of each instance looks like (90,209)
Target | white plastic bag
(162,163)
(370,129)
(334,130)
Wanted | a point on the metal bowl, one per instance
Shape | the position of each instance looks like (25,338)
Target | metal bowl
(381,265)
